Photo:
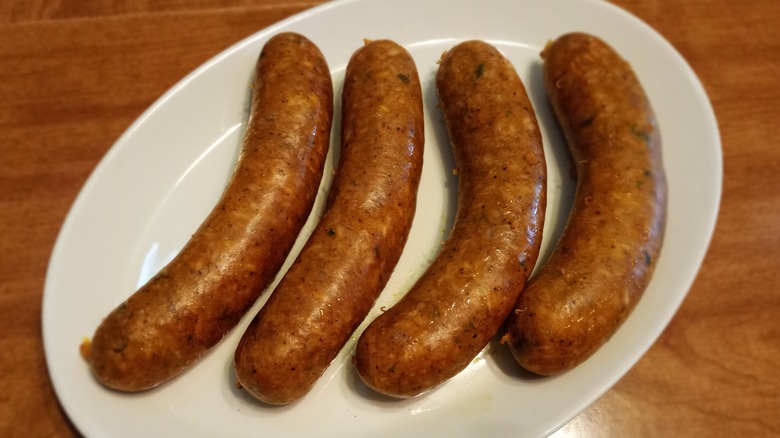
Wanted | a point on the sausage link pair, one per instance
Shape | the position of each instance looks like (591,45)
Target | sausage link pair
(184,310)
(459,304)
(608,250)
(349,257)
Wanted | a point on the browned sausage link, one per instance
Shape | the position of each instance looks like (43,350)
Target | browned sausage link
(349,257)
(199,296)
(460,302)
(606,255)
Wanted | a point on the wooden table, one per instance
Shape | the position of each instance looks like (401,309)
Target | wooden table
(74,75)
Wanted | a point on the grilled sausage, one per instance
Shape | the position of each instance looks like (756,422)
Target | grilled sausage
(349,257)
(608,250)
(460,302)
(184,310)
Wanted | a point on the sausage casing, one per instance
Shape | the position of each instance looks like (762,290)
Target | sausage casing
(609,247)
(460,302)
(184,310)
(349,257)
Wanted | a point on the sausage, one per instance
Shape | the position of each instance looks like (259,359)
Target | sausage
(349,257)
(184,310)
(460,302)
(608,250)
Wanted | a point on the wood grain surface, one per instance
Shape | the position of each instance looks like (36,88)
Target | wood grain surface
(74,75)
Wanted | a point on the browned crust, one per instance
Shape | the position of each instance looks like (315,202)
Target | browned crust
(458,305)
(188,307)
(350,255)
(608,250)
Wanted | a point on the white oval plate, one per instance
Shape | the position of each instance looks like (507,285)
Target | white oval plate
(162,177)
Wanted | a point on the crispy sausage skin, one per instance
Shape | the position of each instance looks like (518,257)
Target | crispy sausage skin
(188,307)
(608,250)
(349,257)
(460,302)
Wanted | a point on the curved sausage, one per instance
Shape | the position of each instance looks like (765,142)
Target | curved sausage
(608,250)
(460,302)
(184,310)
(349,257)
